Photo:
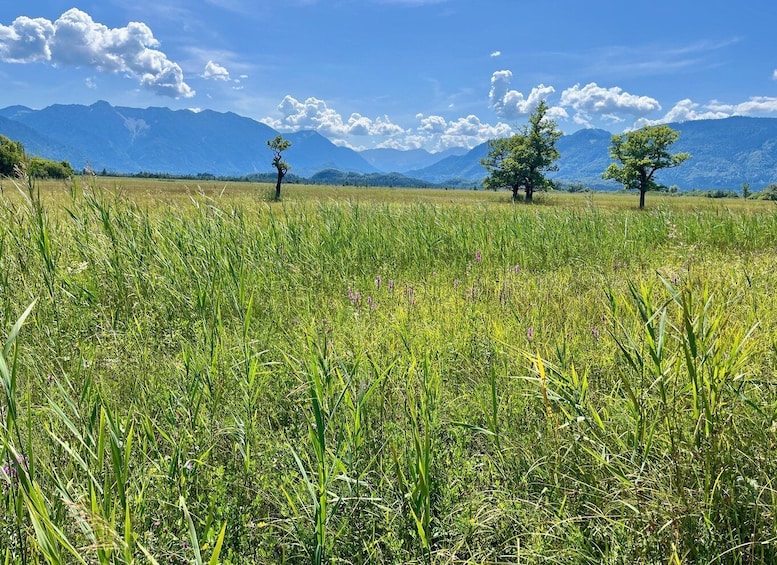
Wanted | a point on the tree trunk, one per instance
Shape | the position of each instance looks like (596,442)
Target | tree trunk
(278,185)
(529,194)
(515,193)
(643,187)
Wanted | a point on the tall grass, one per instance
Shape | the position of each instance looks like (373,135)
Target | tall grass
(209,376)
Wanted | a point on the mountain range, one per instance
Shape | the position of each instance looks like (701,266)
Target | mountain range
(725,153)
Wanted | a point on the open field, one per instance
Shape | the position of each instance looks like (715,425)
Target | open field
(384,376)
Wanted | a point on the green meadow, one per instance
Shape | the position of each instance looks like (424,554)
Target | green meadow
(195,374)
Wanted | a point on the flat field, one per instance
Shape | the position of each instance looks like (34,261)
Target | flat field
(194,374)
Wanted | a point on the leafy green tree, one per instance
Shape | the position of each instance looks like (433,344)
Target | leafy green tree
(11,154)
(746,190)
(641,153)
(521,161)
(278,146)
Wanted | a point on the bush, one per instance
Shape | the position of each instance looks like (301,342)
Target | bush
(47,169)
(768,193)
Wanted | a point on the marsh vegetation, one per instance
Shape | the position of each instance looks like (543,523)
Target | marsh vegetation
(195,374)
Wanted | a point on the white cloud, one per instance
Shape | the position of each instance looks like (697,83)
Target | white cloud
(596,100)
(432,124)
(753,107)
(556,113)
(215,71)
(90,82)
(509,104)
(26,41)
(686,110)
(496,54)
(76,40)
(582,119)
(469,131)
(432,132)
(315,114)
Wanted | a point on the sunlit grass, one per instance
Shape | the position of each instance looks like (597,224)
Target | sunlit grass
(384,376)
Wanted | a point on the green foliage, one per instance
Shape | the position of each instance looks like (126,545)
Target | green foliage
(48,169)
(11,155)
(521,161)
(640,154)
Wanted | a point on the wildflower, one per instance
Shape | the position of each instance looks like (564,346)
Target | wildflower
(410,294)
(516,269)
(391,284)
(11,470)
(478,256)
(595,333)
(354,296)
(530,334)
(377,282)
(455,283)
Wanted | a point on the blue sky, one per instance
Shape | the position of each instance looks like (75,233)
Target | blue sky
(398,73)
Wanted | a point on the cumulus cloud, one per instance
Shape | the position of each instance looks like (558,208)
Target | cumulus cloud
(509,104)
(432,132)
(469,131)
(496,54)
(432,124)
(753,107)
(593,99)
(315,114)
(76,40)
(215,71)
(687,110)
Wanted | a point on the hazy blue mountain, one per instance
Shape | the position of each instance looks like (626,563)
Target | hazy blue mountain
(34,142)
(465,166)
(129,140)
(13,112)
(397,161)
(311,152)
(726,153)
(585,155)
